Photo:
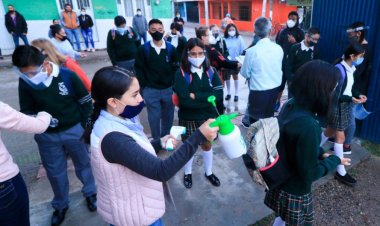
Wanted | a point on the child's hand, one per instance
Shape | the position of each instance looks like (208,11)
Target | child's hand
(345,161)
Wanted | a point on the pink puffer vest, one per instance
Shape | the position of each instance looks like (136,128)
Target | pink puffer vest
(126,198)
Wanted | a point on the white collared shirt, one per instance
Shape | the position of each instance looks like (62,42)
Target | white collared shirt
(350,78)
(174,40)
(158,48)
(198,71)
(262,65)
(304,47)
(54,73)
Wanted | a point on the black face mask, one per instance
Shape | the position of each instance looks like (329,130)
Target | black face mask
(11,11)
(311,44)
(157,36)
(64,38)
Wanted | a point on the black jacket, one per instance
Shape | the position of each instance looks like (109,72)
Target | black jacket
(21,25)
(85,21)
(282,38)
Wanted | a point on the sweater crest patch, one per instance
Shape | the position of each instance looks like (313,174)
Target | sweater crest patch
(63,89)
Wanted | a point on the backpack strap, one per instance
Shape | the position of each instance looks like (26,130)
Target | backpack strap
(187,76)
(343,76)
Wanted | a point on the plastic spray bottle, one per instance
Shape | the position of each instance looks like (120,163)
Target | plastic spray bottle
(229,134)
(175,131)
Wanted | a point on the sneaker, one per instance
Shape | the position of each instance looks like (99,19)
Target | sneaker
(346,149)
(245,124)
(346,179)
(228,97)
(93,50)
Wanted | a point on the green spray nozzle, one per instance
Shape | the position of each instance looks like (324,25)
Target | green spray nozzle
(212,99)
(224,123)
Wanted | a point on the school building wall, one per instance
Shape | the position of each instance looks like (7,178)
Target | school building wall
(243,12)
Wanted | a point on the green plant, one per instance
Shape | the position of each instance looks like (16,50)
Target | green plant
(373,148)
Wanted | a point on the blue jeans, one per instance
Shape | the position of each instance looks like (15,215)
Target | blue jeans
(160,110)
(73,32)
(350,130)
(14,202)
(53,148)
(87,36)
(143,36)
(157,223)
(16,39)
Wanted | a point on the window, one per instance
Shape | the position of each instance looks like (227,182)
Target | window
(241,11)
(140,5)
(245,11)
(216,10)
(83,4)
(128,8)
(62,3)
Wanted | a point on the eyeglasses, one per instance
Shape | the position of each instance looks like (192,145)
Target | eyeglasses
(196,54)
(31,74)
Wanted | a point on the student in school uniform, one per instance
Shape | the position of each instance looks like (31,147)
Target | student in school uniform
(194,82)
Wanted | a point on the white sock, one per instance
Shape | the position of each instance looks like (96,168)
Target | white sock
(228,83)
(207,159)
(236,82)
(278,222)
(338,151)
(323,139)
(189,166)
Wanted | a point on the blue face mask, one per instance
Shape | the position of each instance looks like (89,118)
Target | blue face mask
(358,61)
(121,30)
(132,111)
(36,82)
(360,112)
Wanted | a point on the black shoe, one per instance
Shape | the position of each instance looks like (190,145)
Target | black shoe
(91,203)
(188,181)
(1,58)
(346,179)
(58,216)
(213,179)
(236,99)
(245,124)
(228,97)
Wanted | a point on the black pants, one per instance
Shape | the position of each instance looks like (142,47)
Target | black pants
(14,202)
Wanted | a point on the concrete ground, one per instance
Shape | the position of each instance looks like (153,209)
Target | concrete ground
(238,201)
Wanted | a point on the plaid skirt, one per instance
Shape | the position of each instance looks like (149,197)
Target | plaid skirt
(228,72)
(191,127)
(341,117)
(294,210)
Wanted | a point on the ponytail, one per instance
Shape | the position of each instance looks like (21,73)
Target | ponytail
(90,124)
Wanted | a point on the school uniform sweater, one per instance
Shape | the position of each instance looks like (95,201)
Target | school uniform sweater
(180,45)
(301,139)
(156,70)
(122,47)
(298,55)
(69,103)
(198,109)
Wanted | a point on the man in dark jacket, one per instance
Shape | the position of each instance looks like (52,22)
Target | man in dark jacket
(16,25)
(140,25)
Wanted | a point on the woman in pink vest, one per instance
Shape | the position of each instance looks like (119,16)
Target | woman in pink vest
(125,165)
(14,200)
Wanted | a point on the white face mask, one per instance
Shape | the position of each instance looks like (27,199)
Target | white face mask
(196,62)
(39,77)
(232,33)
(139,13)
(83,13)
(290,23)
(211,40)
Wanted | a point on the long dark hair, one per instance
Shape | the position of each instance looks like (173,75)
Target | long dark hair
(108,82)
(201,31)
(313,86)
(226,35)
(55,29)
(185,64)
(353,49)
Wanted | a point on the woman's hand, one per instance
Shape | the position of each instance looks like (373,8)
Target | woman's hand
(192,96)
(209,132)
(345,161)
(356,101)
(363,98)
(165,139)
